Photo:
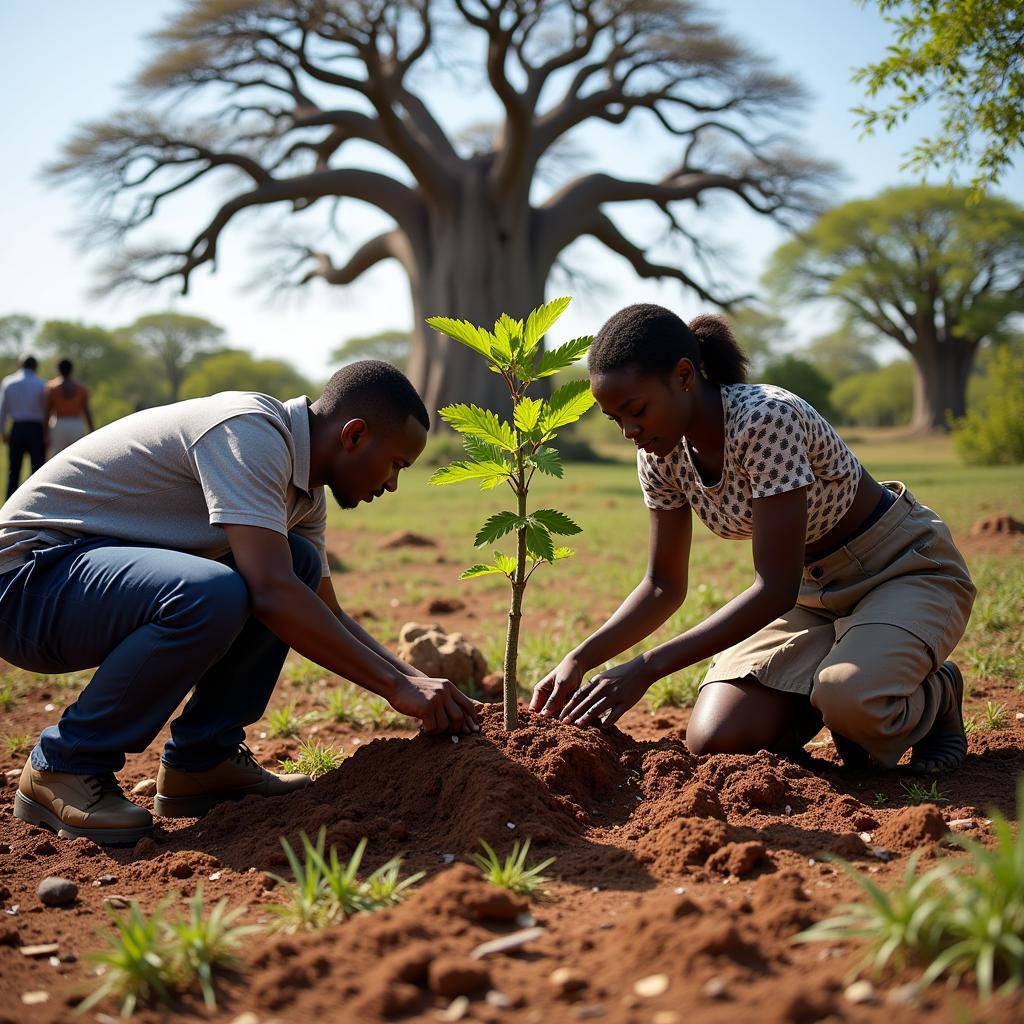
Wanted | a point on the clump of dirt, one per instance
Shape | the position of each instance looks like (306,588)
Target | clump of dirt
(997,526)
(747,783)
(446,606)
(678,843)
(406,539)
(912,827)
(544,781)
(737,859)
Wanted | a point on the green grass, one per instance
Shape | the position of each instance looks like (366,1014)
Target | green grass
(512,873)
(314,759)
(675,691)
(917,794)
(283,722)
(18,743)
(950,923)
(325,890)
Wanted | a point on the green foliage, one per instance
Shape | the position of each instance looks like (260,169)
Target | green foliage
(390,346)
(675,691)
(230,370)
(343,704)
(917,794)
(842,353)
(315,759)
(9,696)
(994,434)
(325,890)
(150,957)
(501,452)
(17,743)
(512,872)
(967,58)
(996,715)
(883,397)
(799,376)
(174,340)
(949,922)
(877,257)
(283,721)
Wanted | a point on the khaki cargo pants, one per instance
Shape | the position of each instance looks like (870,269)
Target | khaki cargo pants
(873,622)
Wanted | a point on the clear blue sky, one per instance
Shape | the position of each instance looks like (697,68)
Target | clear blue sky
(64,62)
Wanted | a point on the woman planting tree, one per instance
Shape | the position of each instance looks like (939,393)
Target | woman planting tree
(859,593)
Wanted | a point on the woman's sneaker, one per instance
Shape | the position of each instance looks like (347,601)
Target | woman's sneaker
(182,794)
(80,805)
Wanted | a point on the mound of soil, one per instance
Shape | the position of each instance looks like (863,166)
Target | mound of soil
(997,526)
(406,539)
(912,827)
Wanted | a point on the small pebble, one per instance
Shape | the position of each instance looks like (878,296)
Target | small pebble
(960,824)
(506,942)
(652,986)
(105,880)
(510,825)
(716,988)
(34,998)
(44,949)
(455,739)
(49,707)
(447,858)
(117,902)
(860,992)
(214,876)
(246,1018)
(457,1009)
(565,981)
(147,787)
(498,1000)
(56,892)
(590,1012)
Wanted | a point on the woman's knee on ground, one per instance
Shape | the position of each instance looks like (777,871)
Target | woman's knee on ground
(736,717)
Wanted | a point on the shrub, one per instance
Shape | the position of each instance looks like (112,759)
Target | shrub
(994,434)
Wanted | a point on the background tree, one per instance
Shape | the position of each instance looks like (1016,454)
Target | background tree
(799,376)
(238,371)
(282,89)
(966,55)
(920,267)
(763,334)
(16,331)
(883,397)
(392,346)
(174,340)
(841,353)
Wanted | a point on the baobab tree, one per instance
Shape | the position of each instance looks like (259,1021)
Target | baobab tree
(270,95)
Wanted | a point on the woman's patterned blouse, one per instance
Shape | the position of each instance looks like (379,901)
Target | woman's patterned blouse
(774,442)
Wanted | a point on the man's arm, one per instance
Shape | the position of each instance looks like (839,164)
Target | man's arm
(303,620)
(328,596)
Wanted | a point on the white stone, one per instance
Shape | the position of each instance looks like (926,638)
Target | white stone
(652,986)
(860,992)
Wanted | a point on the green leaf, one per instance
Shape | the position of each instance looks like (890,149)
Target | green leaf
(540,321)
(480,569)
(481,423)
(563,553)
(497,526)
(456,472)
(538,542)
(509,334)
(559,358)
(554,521)
(481,451)
(505,563)
(566,405)
(463,331)
(547,460)
(527,412)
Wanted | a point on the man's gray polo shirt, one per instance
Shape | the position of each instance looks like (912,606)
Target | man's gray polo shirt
(173,477)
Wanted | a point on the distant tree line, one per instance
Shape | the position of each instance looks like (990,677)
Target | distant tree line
(157,359)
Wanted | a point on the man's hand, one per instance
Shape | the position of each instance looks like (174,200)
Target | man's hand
(437,703)
(551,693)
(610,694)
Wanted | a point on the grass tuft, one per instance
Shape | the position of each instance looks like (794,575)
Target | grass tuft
(512,872)
(917,794)
(315,759)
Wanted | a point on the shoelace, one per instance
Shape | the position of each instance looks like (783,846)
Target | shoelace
(244,756)
(101,784)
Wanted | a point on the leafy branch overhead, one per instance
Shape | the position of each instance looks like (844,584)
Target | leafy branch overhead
(500,451)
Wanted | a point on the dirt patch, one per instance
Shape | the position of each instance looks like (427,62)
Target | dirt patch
(913,827)
(997,526)
(405,539)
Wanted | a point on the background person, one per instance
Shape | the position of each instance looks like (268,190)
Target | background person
(23,401)
(67,409)
(859,594)
(183,549)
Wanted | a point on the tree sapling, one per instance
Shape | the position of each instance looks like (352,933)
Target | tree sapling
(501,452)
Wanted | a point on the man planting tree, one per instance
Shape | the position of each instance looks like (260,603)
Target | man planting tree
(182,549)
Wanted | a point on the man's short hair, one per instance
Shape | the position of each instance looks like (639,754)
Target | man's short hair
(372,390)
(30,363)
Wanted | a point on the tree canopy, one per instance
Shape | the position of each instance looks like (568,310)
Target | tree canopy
(283,103)
(174,339)
(968,57)
(919,266)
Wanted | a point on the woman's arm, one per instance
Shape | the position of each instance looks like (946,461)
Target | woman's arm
(779,539)
(86,411)
(658,595)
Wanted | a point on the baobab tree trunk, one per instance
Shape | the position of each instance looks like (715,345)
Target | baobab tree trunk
(476,262)
(940,383)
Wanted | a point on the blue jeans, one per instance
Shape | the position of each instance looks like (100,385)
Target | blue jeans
(158,623)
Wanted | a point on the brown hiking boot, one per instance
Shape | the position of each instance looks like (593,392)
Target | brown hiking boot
(191,794)
(80,805)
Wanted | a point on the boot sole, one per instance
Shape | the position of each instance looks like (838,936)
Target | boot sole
(197,806)
(36,814)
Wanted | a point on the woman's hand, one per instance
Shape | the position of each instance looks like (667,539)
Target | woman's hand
(610,694)
(551,693)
